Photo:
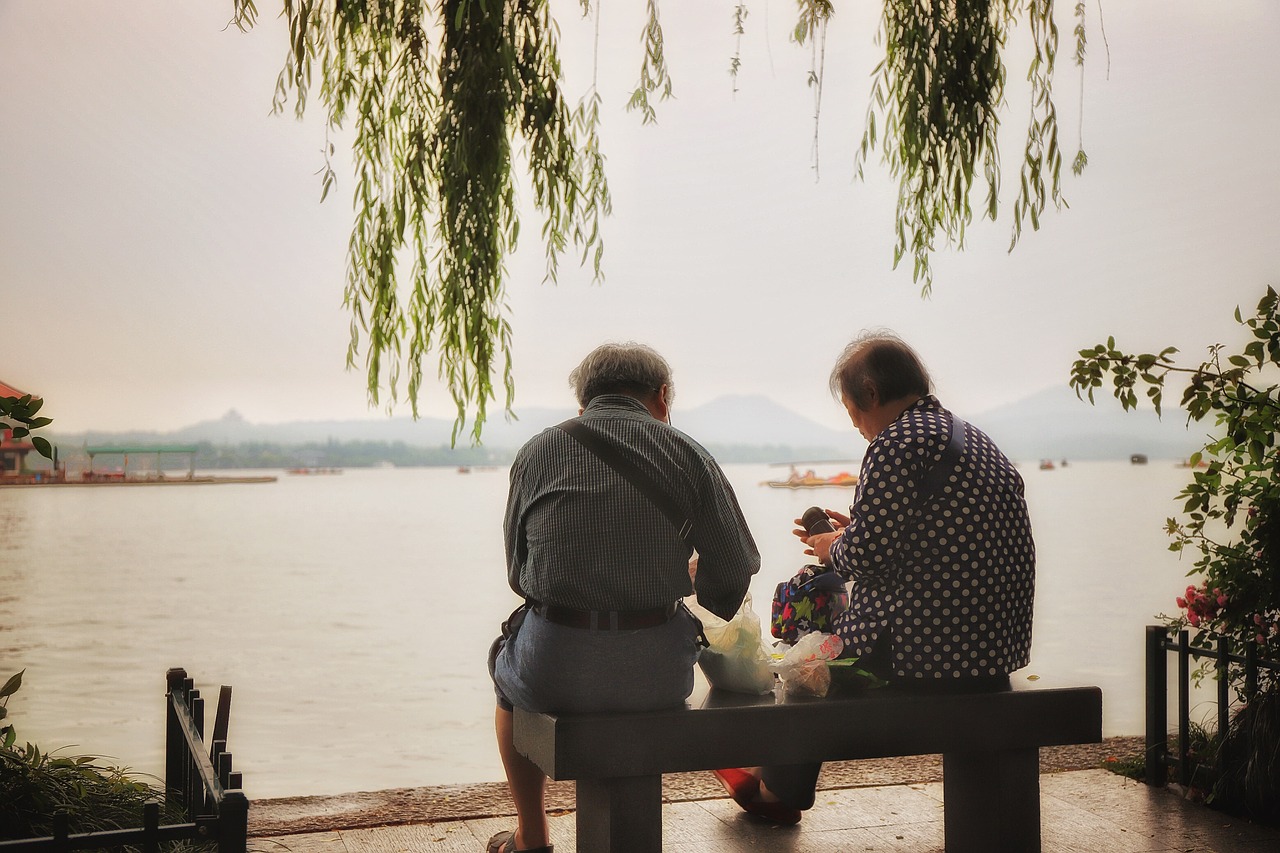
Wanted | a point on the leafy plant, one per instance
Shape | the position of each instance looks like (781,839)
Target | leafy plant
(21,412)
(35,784)
(1231,508)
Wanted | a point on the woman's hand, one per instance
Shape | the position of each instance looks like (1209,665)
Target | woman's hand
(819,545)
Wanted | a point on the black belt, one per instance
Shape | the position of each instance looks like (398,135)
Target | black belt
(605,620)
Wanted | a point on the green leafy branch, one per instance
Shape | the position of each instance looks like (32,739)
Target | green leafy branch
(445,101)
(435,96)
(21,414)
(1231,506)
(934,115)
(653,70)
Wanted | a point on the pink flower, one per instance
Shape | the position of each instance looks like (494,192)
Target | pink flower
(1194,619)
(1182,602)
(1222,600)
(1257,618)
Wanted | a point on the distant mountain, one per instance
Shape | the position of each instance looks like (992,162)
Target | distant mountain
(755,420)
(1054,424)
(1049,424)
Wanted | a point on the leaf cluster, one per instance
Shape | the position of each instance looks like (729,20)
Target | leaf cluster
(935,109)
(21,412)
(34,785)
(437,96)
(1231,508)
(654,76)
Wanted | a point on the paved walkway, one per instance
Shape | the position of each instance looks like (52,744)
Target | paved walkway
(1082,811)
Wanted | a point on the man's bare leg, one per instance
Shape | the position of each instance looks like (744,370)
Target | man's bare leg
(528,786)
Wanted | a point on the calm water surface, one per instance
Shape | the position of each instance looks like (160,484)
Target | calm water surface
(352,613)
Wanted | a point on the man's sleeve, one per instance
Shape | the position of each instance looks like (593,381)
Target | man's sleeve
(513,529)
(727,554)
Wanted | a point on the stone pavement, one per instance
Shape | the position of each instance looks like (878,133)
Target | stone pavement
(1082,811)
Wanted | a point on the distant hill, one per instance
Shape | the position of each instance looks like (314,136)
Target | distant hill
(1054,424)
(1049,424)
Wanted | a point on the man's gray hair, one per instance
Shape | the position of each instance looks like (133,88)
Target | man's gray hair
(628,368)
(879,359)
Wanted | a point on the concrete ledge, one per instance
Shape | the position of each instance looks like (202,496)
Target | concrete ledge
(293,815)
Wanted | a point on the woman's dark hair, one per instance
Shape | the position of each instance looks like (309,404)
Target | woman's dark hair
(632,369)
(883,361)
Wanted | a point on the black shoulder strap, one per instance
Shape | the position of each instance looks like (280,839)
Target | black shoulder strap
(932,481)
(609,455)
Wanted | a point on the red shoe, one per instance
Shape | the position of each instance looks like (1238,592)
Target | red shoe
(740,784)
(745,789)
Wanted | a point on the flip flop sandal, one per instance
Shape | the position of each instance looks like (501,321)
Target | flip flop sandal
(505,842)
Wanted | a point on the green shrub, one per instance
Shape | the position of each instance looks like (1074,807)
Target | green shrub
(35,784)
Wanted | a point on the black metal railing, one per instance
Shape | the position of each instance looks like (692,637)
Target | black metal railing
(1159,644)
(203,786)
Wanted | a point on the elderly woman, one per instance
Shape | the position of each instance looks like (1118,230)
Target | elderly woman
(937,548)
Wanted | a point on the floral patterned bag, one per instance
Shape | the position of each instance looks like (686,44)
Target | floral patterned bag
(808,602)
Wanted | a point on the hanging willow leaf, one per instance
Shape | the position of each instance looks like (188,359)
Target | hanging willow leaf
(445,99)
(939,92)
(435,95)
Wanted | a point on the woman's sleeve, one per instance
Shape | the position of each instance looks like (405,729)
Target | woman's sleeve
(867,550)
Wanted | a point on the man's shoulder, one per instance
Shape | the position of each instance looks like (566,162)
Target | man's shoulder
(540,442)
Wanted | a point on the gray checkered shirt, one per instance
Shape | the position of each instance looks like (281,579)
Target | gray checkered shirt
(579,535)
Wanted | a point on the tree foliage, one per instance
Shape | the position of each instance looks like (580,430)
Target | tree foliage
(21,415)
(935,115)
(438,92)
(1231,507)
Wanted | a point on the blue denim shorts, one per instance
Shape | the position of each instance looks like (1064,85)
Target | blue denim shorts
(548,668)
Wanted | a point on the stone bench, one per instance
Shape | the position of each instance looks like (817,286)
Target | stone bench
(989,743)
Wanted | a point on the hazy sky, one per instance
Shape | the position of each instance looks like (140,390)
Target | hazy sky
(164,256)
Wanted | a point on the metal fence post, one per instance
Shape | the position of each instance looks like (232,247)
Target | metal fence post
(1224,700)
(174,742)
(1184,708)
(1157,707)
(233,823)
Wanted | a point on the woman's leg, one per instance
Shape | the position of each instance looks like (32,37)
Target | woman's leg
(793,785)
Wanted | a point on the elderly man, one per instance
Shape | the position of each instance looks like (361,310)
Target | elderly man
(937,547)
(603,568)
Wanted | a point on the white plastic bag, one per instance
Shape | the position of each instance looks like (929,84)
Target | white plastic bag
(804,670)
(736,660)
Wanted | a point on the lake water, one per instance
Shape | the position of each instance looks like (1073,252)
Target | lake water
(352,613)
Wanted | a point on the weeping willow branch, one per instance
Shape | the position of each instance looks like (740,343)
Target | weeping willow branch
(934,115)
(653,71)
(436,94)
(812,28)
(445,100)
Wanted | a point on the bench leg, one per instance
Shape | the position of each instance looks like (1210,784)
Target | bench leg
(992,801)
(620,815)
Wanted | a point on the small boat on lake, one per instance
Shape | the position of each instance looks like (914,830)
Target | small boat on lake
(810,480)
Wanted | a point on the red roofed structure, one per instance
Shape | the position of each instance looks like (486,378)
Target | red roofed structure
(7,390)
(13,453)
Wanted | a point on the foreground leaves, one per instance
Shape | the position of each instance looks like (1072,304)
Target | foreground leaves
(1231,508)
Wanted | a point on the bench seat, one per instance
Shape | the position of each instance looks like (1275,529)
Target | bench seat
(989,742)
